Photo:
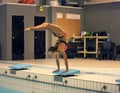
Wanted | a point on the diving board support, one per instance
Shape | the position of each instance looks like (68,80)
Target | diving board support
(58,78)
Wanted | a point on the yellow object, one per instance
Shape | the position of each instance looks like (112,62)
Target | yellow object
(41,8)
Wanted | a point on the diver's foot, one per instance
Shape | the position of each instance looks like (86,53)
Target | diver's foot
(65,71)
(56,70)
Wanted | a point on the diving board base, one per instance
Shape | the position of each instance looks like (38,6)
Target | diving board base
(71,72)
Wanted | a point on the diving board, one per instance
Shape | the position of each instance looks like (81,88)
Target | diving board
(20,66)
(71,72)
(117,80)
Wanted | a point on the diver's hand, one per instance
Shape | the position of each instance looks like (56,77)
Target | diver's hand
(27,29)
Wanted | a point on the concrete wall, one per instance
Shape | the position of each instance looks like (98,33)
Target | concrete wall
(103,17)
(21,10)
(9,1)
(3,31)
(28,11)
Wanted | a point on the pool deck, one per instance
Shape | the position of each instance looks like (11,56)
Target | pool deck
(91,69)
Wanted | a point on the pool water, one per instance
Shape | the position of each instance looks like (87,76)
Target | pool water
(6,90)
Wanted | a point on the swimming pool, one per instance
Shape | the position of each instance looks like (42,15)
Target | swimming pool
(27,82)
(6,90)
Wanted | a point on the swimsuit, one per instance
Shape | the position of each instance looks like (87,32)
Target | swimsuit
(53,49)
(58,36)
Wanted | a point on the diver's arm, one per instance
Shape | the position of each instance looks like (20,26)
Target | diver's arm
(43,26)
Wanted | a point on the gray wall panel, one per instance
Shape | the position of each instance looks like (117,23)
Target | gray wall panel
(103,17)
(3,32)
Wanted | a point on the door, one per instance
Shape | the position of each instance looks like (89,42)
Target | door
(17,37)
(39,40)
